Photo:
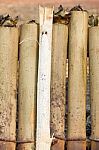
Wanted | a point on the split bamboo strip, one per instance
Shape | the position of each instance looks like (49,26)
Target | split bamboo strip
(77,81)
(8,71)
(94,84)
(43,91)
(27,86)
(58,83)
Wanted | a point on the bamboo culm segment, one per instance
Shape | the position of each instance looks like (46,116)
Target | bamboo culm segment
(94,145)
(76,145)
(43,140)
(58,82)
(27,85)
(77,76)
(94,84)
(8,71)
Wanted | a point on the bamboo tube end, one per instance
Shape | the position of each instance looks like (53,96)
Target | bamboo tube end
(93,27)
(7,145)
(6,29)
(31,24)
(79,12)
(76,145)
(59,145)
(94,145)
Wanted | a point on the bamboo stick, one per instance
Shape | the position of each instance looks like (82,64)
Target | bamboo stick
(77,81)
(8,70)
(94,84)
(58,83)
(43,89)
(27,86)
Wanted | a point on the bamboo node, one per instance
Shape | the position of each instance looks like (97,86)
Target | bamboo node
(76,139)
(7,140)
(59,137)
(24,141)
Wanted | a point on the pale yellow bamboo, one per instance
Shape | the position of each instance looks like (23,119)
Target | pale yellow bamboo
(8,71)
(77,78)
(58,82)
(43,140)
(27,86)
(94,80)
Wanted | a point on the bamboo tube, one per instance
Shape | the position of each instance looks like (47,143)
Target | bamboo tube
(94,84)
(77,81)
(8,70)
(27,86)
(43,90)
(58,83)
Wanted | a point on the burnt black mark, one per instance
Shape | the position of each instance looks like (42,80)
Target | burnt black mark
(44,32)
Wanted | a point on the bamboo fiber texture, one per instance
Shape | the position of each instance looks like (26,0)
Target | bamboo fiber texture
(58,82)
(8,75)
(77,78)
(27,86)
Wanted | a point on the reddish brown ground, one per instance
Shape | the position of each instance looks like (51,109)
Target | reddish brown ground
(91,2)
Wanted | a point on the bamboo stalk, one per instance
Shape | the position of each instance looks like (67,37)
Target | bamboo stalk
(43,90)
(94,84)
(77,81)
(8,70)
(27,86)
(58,83)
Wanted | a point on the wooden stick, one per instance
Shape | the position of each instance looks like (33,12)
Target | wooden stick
(94,84)
(43,90)
(8,70)
(77,81)
(58,82)
(27,86)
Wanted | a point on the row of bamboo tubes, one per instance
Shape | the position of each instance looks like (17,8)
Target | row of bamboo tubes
(29,50)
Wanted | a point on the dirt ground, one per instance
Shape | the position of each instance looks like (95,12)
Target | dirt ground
(28,12)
